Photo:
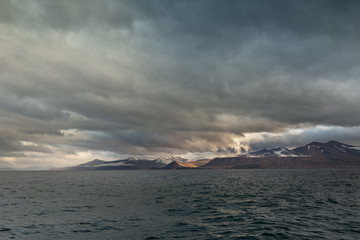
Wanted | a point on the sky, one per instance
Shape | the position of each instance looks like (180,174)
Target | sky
(112,79)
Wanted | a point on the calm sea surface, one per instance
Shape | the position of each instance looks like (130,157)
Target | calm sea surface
(181,204)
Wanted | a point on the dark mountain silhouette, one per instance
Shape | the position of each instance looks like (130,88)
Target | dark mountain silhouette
(174,165)
(92,163)
(314,155)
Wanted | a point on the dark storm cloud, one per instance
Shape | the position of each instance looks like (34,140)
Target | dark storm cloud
(140,77)
(66,15)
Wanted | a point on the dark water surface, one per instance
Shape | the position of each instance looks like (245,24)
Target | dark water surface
(181,204)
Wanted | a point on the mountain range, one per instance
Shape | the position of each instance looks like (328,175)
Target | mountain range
(313,155)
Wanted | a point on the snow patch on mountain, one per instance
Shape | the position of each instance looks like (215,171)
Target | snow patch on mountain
(351,147)
(115,164)
(340,149)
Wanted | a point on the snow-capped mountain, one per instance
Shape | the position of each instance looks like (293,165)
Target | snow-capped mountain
(273,152)
(313,155)
(170,159)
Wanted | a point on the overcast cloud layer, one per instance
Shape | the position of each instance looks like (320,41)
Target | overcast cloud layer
(111,79)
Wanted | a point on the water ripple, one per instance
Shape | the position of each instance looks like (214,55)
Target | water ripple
(216,204)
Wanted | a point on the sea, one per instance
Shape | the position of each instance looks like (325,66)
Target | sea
(181,204)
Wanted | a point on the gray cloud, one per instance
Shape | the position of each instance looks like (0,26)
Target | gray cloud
(171,77)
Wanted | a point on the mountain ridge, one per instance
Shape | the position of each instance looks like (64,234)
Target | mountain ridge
(331,154)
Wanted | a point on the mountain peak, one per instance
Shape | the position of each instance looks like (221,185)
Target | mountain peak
(93,163)
(172,158)
(173,165)
(332,142)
